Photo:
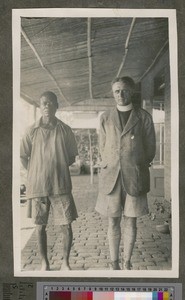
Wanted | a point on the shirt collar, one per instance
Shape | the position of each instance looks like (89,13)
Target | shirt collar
(125,108)
(38,122)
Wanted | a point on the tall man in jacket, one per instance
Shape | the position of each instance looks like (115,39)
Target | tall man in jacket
(48,148)
(127,148)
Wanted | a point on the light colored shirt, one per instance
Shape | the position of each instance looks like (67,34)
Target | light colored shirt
(48,153)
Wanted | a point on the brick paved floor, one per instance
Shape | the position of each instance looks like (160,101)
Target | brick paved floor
(152,250)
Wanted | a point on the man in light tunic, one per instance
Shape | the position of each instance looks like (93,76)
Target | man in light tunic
(47,150)
(127,148)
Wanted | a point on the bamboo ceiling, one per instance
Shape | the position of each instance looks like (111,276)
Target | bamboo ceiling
(77,58)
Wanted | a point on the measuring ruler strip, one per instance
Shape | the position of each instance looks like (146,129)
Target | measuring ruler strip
(59,291)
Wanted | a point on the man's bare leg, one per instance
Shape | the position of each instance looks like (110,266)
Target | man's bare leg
(114,238)
(42,245)
(67,242)
(129,238)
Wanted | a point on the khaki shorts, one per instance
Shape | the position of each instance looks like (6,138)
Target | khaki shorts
(62,207)
(118,202)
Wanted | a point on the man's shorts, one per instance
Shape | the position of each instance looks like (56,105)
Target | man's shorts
(62,207)
(118,202)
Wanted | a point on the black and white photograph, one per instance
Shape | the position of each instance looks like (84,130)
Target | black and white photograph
(95,129)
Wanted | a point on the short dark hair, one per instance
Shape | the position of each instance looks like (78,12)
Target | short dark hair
(51,96)
(125,79)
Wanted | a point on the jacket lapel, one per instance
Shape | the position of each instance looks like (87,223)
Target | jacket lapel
(115,118)
(132,121)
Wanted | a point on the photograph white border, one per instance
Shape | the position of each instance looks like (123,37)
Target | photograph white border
(96,13)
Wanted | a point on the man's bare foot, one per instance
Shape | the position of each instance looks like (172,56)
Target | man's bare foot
(45,266)
(127,265)
(65,266)
(114,265)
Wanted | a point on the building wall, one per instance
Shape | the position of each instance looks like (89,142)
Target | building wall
(77,119)
(147,95)
(28,114)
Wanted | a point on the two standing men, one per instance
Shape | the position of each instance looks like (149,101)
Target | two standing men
(127,147)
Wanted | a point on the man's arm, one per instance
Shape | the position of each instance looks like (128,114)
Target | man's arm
(149,139)
(71,148)
(25,150)
(102,136)
(71,160)
(24,162)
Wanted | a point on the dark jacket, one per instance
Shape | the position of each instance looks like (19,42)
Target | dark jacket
(130,151)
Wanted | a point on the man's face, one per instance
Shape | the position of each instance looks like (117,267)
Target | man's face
(122,93)
(48,108)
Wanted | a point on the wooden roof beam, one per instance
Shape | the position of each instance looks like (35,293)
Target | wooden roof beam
(29,99)
(89,53)
(43,66)
(126,47)
(155,60)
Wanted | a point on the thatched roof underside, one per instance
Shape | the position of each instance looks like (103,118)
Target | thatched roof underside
(77,58)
